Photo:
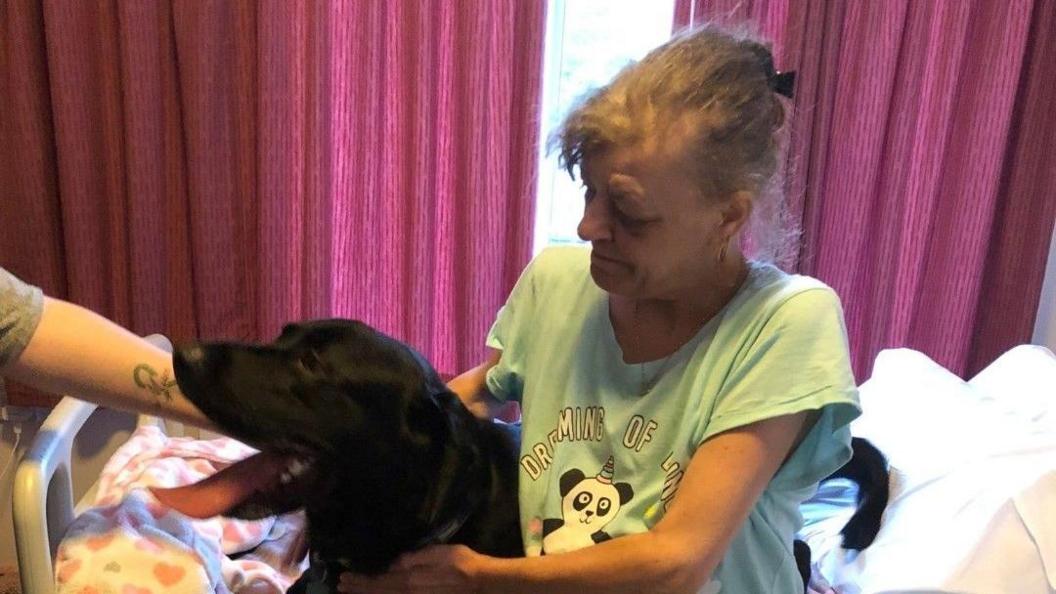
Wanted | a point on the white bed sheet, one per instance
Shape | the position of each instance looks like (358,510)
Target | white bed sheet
(973,481)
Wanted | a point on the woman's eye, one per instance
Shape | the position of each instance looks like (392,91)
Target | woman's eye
(629,221)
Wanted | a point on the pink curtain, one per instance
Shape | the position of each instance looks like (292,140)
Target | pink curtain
(919,165)
(219,168)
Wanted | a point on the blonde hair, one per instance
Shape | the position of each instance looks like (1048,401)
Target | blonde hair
(718,80)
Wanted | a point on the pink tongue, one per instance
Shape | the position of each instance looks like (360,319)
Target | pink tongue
(223,491)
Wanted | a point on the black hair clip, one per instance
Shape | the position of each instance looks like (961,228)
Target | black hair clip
(782,83)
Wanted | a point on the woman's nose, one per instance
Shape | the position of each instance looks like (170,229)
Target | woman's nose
(594,226)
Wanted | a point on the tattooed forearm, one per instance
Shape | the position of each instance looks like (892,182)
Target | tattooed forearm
(148,378)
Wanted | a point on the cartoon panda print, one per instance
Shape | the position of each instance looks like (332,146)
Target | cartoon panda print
(587,506)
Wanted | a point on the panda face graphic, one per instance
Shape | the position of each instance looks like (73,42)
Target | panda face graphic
(591,501)
(588,504)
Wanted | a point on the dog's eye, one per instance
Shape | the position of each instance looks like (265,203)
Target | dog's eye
(310,362)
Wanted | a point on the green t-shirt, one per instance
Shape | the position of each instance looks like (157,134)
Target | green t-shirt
(599,460)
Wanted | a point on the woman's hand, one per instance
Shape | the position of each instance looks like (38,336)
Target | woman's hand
(440,568)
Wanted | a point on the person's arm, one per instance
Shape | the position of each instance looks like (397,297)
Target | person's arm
(75,350)
(722,483)
(472,389)
(724,480)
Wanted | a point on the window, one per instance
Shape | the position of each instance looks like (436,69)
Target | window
(587,43)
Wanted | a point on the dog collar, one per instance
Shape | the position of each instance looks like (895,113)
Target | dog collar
(448,529)
(444,533)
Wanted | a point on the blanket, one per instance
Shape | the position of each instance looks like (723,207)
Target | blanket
(129,543)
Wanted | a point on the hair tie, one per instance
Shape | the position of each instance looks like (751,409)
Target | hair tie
(782,83)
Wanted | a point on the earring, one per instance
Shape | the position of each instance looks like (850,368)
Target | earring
(722,252)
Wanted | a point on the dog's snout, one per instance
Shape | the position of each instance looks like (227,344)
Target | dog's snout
(193,355)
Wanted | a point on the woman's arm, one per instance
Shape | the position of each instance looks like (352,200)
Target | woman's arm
(724,479)
(76,350)
(471,387)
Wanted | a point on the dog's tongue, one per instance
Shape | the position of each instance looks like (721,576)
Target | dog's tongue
(220,493)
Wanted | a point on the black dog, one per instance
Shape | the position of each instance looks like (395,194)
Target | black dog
(867,468)
(359,431)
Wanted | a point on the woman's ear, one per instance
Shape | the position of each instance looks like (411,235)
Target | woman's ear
(735,213)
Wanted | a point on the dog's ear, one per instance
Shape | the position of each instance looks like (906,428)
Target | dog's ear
(570,479)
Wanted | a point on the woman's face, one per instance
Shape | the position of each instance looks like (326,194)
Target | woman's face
(653,235)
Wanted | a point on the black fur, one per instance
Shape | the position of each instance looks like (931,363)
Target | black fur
(393,455)
(868,468)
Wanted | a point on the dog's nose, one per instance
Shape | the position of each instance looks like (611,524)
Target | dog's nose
(193,355)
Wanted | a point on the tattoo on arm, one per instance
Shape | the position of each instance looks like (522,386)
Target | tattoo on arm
(148,378)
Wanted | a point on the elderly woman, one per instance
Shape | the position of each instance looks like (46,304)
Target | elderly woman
(679,401)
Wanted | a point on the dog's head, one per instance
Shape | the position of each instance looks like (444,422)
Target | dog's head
(352,426)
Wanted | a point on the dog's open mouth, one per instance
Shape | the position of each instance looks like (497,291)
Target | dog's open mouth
(260,485)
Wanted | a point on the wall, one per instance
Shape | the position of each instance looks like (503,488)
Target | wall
(1045,324)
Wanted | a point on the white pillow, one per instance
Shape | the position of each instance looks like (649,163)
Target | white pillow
(1021,384)
(921,416)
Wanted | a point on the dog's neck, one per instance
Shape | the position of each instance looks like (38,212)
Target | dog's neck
(460,480)
(449,509)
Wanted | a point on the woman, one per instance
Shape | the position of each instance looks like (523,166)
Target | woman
(679,401)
